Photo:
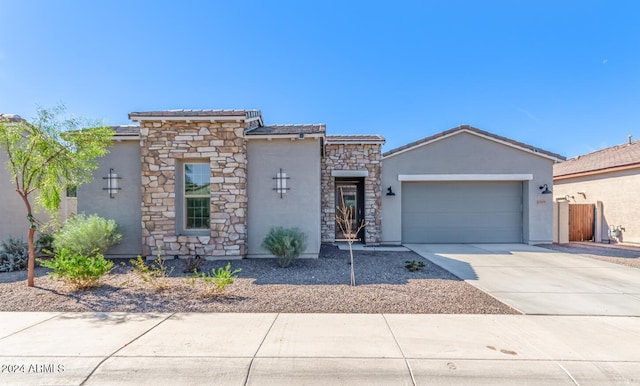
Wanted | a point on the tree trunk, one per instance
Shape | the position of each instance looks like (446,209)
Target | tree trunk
(31,266)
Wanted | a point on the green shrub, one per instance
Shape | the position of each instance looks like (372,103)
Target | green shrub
(78,271)
(87,235)
(44,244)
(414,265)
(285,244)
(155,274)
(216,282)
(14,255)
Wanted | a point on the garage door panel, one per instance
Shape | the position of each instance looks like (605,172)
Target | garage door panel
(461,212)
(462,235)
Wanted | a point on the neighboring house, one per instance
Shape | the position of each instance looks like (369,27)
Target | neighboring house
(213,182)
(609,179)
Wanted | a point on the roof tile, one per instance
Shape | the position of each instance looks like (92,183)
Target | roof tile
(288,129)
(196,113)
(611,157)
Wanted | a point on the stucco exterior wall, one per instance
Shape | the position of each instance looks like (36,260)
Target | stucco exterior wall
(165,146)
(354,157)
(13,212)
(466,153)
(618,192)
(299,206)
(124,208)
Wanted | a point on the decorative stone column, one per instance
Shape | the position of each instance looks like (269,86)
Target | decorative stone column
(344,156)
(164,145)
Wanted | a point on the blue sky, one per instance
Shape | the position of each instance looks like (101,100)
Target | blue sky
(560,75)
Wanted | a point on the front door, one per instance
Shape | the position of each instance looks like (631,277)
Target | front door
(349,209)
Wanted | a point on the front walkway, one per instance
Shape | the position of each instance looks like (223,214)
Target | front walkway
(316,349)
(539,281)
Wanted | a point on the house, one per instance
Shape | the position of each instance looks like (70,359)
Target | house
(607,180)
(213,182)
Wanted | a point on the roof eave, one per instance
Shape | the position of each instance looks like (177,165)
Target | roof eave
(596,172)
(402,149)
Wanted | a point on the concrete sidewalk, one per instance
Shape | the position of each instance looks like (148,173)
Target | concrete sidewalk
(316,349)
(539,281)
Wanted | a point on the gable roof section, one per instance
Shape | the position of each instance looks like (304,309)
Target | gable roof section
(612,158)
(11,118)
(480,133)
(274,130)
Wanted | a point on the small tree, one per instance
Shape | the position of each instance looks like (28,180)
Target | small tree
(345,216)
(45,156)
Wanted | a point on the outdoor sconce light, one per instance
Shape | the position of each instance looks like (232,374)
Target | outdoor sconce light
(546,189)
(112,183)
(281,183)
(390,192)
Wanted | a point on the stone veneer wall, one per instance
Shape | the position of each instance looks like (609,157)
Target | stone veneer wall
(163,146)
(352,157)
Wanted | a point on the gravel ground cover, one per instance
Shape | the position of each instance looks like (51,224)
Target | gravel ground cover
(321,285)
(623,255)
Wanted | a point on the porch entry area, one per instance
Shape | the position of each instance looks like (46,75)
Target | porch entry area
(350,192)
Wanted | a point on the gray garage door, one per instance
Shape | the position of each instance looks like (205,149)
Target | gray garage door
(462,212)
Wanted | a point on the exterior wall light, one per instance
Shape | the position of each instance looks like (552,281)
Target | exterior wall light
(112,183)
(281,183)
(390,192)
(546,189)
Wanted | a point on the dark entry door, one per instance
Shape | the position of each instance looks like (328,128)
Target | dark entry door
(350,208)
(581,222)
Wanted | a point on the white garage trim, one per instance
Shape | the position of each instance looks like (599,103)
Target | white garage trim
(465,177)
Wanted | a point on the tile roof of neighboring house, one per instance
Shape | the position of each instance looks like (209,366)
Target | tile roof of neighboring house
(197,113)
(471,129)
(355,138)
(288,129)
(126,130)
(11,117)
(627,154)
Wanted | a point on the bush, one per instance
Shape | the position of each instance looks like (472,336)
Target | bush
(76,270)
(87,235)
(44,244)
(285,243)
(155,274)
(215,283)
(14,255)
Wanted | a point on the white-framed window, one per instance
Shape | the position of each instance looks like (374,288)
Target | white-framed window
(197,196)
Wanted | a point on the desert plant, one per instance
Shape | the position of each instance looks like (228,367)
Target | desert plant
(44,244)
(413,265)
(192,265)
(87,235)
(76,270)
(214,283)
(155,274)
(285,244)
(14,255)
(46,155)
(350,229)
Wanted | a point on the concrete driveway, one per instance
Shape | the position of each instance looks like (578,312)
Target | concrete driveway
(539,281)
